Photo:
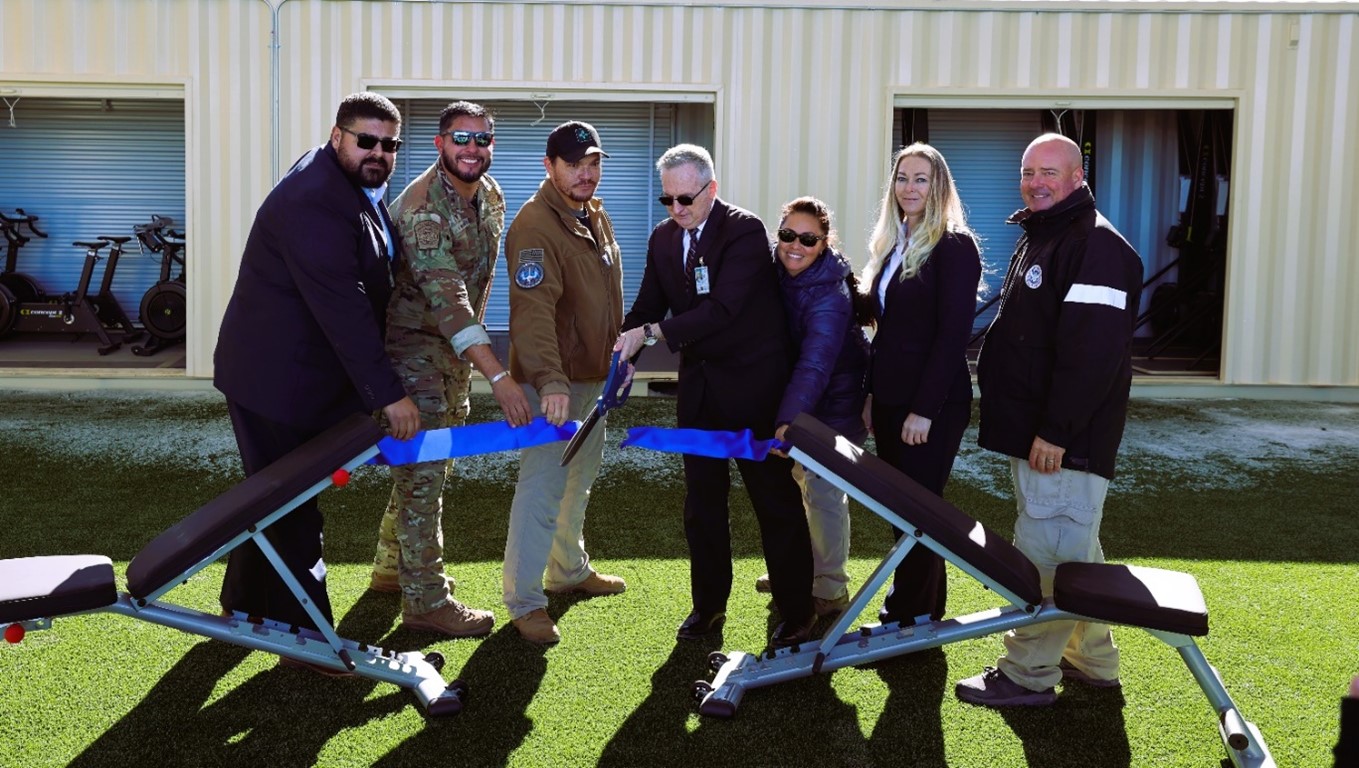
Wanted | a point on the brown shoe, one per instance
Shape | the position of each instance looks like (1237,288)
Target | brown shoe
(537,627)
(384,582)
(594,585)
(762,584)
(826,608)
(453,619)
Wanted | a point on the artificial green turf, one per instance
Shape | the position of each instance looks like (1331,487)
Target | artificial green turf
(1272,550)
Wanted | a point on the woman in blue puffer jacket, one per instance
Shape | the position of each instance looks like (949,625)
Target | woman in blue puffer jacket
(825,311)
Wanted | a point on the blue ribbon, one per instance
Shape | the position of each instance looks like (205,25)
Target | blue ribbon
(701,442)
(471,440)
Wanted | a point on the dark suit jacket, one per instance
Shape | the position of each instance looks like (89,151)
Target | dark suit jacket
(301,341)
(733,342)
(920,348)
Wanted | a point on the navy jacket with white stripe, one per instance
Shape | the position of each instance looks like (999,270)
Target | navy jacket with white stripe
(1057,359)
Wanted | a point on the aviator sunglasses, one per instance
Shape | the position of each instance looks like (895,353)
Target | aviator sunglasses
(368,141)
(806,238)
(685,200)
(482,138)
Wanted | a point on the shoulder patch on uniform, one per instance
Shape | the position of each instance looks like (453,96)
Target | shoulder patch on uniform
(530,272)
(1034,277)
(427,234)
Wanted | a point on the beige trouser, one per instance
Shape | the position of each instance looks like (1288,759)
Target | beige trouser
(1058,522)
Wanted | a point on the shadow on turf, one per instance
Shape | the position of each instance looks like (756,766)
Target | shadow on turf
(1084,728)
(286,717)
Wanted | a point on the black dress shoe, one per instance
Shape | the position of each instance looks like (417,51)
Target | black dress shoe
(699,624)
(786,634)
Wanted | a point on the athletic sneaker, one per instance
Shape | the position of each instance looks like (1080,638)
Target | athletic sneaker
(1070,672)
(762,584)
(993,689)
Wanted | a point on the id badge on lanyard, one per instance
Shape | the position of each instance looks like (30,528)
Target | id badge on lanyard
(701,286)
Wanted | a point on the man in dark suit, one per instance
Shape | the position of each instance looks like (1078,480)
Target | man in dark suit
(709,266)
(301,344)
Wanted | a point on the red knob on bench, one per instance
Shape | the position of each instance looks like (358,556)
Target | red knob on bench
(340,478)
(14,633)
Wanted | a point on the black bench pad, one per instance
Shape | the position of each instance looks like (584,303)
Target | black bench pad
(42,587)
(1130,594)
(197,536)
(971,541)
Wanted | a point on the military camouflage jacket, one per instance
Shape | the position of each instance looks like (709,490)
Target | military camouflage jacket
(566,292)
(447,258)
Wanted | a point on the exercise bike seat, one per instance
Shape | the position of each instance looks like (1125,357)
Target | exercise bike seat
(94,246)
(55,585)
(118,239)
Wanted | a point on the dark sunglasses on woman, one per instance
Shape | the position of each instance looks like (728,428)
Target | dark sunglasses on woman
(806,238)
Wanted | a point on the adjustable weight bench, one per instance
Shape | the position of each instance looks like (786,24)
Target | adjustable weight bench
(1166,604)
(33,590)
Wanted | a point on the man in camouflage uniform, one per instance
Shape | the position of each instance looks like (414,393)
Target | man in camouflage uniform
(450,219)
(566,305)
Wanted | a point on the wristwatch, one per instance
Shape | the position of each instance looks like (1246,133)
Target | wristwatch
(650,336)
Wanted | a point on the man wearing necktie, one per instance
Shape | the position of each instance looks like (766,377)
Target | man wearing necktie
(709,267)
(301,344)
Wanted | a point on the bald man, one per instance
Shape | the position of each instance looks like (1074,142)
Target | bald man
(1054,374)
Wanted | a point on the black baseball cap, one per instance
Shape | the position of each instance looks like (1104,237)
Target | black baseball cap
(573,140)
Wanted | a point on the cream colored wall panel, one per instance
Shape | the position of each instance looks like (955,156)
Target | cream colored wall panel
(802,102)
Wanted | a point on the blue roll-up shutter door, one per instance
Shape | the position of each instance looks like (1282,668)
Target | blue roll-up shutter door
(633,133)
(91,167)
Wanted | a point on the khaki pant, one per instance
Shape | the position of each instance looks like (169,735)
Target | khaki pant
(1058,522)
(827,510)
(547,516)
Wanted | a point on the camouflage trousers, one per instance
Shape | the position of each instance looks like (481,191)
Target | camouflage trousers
(410,536)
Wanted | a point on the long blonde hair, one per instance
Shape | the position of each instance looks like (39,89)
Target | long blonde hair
(943,213)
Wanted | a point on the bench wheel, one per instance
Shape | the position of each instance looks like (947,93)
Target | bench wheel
(435,660)
(716,660)
(458,687)
(700,690)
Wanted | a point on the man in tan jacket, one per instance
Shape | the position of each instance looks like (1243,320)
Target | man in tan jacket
(566,307)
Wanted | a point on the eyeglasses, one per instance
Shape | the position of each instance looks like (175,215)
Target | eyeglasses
(368,141)
(806,238)
(482,138)
(685,200)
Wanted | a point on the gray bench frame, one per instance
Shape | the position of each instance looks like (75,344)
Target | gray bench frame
(1166,604)
(34,590)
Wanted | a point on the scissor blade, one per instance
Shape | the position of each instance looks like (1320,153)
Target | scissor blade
(578,439)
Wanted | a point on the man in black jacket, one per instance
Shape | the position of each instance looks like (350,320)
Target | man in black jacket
(1054,373)
(709,268)
(301,345)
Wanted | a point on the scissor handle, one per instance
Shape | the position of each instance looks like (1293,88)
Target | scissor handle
(615,393)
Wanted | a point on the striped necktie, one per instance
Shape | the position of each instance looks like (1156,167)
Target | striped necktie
(691,258)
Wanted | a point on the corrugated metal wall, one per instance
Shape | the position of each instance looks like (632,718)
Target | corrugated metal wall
(803,98)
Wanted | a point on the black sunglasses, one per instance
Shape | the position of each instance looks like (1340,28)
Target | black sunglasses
(685,200)
(368,141)
(482,138)
(806,238)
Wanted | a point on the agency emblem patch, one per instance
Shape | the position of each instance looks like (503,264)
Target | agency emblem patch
(1034,277)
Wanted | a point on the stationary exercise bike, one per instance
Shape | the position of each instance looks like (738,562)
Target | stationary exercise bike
(163,308)
(77,312)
